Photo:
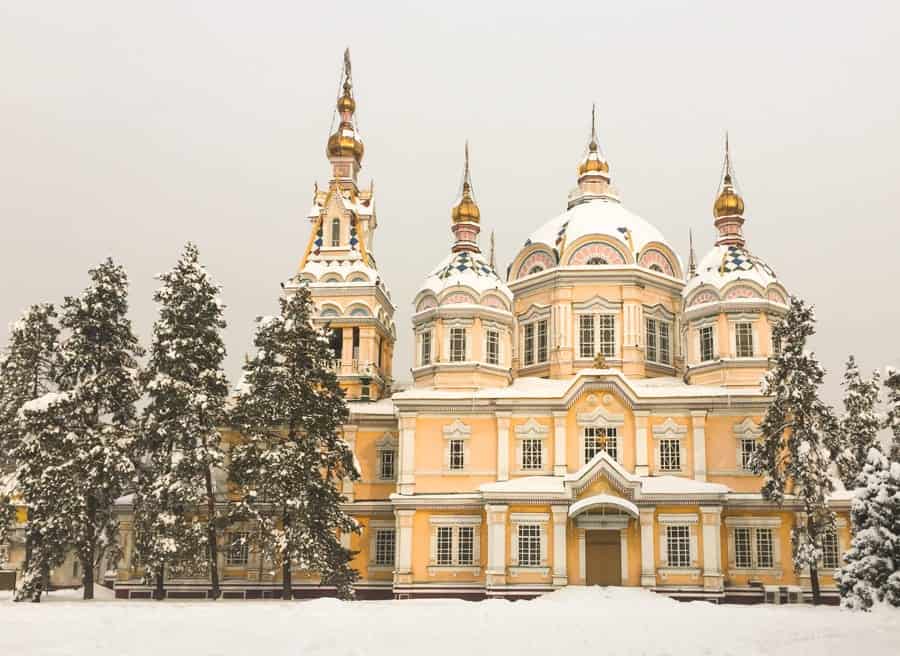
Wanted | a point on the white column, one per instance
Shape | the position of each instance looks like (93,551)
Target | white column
(503,445)
(404,542)
(623,538)
(350,438)
(560,518)
(648,564)
(407,480)
(712,547)
(641,463)
(559,443)
(582,556)
(496,561)
(698,420)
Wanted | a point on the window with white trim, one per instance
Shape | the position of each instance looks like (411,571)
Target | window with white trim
(529,545)
(743,551)
(764,548)
(748,448)
(600,438)
(425,356)
(457,455)
(678,546)
(657,341)
(465,545)
(457,345)
(830,551)
(535,342)
(492,347)
(385,547)
(753,543)
(606,332)
(743,336)
(586,336)
(336,232)
(238,548)
(444,546)
(386,464)
(454,542)
(670,454)
(707,345)
(532,454)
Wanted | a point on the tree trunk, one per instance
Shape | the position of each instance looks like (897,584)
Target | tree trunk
(159,594)
(87,552)
(213,549)
(814,582)
(287,585)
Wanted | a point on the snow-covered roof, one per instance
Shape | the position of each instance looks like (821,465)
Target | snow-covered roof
(318,268)
(725,264)
(379,407)
(465,269)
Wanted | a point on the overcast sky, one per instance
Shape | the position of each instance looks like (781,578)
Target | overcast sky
(129,128)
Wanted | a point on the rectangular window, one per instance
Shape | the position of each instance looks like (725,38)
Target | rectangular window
(385,541)
(355,346)
(457,344)
(457,455)
(743,558)
(611,446)
(529,545)
(532,456)
(542,340)
(586,336)
(678,546)
(238,548)
(597,439)
(776,346)
(665,354)
(764,553)
(606,328)
(830,556)
(652,352)
(336,342)
(493,347)
(444,545)
(747,449)
(426,348)
(528,331)
(706,344)
(386,465)
(465,549)
(744,339)
(670,455)
(336,232)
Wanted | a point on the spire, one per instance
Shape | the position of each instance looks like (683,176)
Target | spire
(465,214)
(728,209)
(344,143)
(593,170)
(492,261)
(692,257)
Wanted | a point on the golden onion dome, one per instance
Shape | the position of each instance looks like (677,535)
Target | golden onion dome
(466,210)
(729,202)
(346,103)
(345,142)
(593,162)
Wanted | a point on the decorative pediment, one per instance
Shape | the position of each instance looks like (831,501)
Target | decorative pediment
(457,430)
(388,441)
(600,415)
(532,428)
(669,427)
(747,429)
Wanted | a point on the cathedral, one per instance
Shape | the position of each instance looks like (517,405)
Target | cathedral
(583,416)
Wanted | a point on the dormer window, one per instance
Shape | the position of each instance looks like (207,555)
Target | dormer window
(336,232)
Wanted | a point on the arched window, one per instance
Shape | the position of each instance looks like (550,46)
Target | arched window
(336,232)
(597,260)
(656,267)
(535,269)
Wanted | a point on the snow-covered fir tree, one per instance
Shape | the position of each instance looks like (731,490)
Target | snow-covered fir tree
(292,459)
(179,447)
(892,385)
(799,435)
(27,369)
(872,570)
(859,424)
(99,377)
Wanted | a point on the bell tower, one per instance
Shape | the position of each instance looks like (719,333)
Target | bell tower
(338,264)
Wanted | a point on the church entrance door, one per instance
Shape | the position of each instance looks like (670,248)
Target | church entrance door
(603,553)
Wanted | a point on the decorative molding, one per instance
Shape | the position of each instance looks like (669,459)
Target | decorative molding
(677,518)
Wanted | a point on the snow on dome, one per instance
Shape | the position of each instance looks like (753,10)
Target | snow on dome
(726,264)
(603,216)
(465,269)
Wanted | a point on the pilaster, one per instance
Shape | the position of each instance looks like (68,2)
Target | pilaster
(560,520)
(641,462)
(406,481)
(495,574)
(405,519)
(712,548)
(648,565)
(503,445)
(581,536)
(559,443)
(698,421)
(349,432)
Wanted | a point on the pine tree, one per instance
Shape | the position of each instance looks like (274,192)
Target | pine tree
(799,434)
(892,383)
(290,464)
(872,570)
(98,374)
(180,445)
(859,424)
(26,372)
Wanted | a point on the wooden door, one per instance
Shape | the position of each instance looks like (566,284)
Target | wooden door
(603,553)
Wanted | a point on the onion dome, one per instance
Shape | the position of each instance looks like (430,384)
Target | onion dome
(345,141)
(466,209)
(729,202)
(728,209)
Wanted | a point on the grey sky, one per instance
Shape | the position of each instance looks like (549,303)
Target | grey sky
(128,128)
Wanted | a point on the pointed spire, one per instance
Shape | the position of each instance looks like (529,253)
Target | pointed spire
(593,144)
(465,214)
(728,209)
(492,261)
(692,257)
(593,164)
(345,142)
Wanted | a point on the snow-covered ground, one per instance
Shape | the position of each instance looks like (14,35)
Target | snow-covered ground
(571,621)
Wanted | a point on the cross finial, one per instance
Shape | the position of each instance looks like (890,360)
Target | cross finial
(347,62)
(493,262)
(467,181)
(593,122)
(692,259)
(729,174)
